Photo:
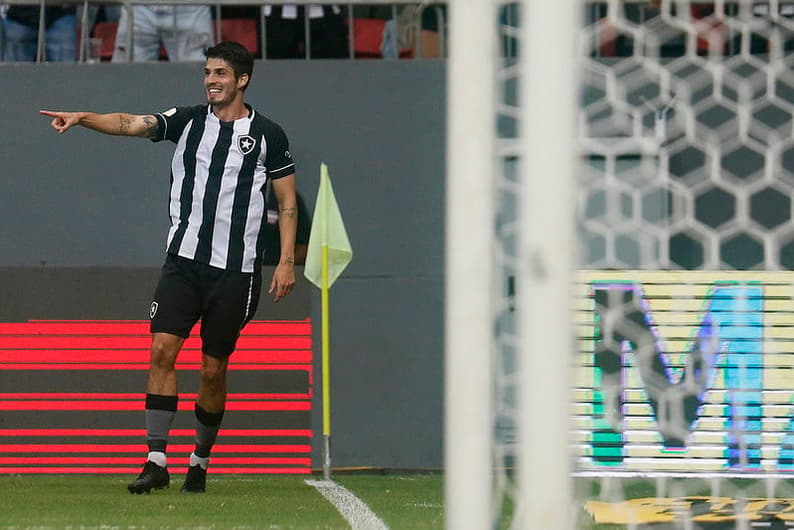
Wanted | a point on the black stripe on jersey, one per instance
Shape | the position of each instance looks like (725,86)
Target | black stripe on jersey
(210,203)
(188,182)
(242,197)
(261,238)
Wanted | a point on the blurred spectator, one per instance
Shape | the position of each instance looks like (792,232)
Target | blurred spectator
(433,17)
(271,234)
(286,35)
(184,31)
(20,33)
(420,27)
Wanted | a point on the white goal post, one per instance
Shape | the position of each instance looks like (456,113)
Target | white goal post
(548,157)
(546,152)
(470,272)
(678,321)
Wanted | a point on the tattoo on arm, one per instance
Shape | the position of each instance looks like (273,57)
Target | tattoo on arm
(124,123)
(290,212)
(151,126)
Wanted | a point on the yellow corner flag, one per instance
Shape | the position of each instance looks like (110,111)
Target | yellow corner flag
(328,230)
(328,254)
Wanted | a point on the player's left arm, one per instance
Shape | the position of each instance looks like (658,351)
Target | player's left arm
(284,275)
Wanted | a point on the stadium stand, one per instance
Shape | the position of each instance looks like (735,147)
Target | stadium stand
(367,33)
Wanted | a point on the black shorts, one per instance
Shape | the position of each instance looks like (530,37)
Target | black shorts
(223,300)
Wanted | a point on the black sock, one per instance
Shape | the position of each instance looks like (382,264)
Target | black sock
(207,426)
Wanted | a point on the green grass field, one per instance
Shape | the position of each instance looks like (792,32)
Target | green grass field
(401,501)
(234,502)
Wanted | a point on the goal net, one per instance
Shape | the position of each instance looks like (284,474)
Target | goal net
(680,389)
(683,303)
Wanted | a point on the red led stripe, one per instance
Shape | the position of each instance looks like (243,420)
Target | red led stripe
(99,395)
(78,320)
(79,327)
(125,470)
(76,342)
(137,448)
(142,356)
(124,344)
(142,432)
(66,460)
(132,327)
(76,366)
(139,405)
(141,366)
(66,395)
(179,366)
(72,460)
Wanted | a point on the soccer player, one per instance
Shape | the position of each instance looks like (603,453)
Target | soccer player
(226,152)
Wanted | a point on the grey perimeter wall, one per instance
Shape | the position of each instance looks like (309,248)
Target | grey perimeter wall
(84,203)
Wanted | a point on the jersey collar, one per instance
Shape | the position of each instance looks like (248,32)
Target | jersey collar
(250,116)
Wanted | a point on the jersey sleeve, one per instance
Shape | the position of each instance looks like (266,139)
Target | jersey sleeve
(172,122)
(304,222)
(278,159)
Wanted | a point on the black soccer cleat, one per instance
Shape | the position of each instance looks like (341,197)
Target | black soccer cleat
(195,480)
(153,477)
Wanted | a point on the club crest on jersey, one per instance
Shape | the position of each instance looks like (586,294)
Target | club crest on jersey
(153,310)
(246,144)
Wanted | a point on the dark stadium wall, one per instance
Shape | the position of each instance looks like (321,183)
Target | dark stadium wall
(88,213)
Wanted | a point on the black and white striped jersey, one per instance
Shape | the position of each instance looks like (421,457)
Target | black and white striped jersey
(218,174)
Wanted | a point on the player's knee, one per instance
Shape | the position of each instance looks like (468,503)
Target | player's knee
(163,355)
(213,375)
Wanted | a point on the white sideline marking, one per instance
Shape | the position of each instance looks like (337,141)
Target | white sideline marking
(351,507)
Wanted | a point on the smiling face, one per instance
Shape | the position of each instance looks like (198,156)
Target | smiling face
(222,87)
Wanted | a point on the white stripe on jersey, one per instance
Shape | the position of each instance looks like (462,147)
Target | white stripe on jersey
(223,225)
(178,174)
(248,302)
(279,169)
(203,159)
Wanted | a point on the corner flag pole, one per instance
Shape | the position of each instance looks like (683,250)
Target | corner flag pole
(328,254)
(326,366)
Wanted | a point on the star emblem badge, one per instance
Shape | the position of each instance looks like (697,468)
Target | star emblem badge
(246,144)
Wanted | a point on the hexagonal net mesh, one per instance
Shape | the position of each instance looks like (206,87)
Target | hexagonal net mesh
(686,311)
(687,119)
(683,400)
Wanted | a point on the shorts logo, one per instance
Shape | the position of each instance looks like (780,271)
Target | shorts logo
(246,144)
(153,310)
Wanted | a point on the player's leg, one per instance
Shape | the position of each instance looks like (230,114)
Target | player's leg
(61,41)
(230,305)
(161,406)
(188,34)
(174,311)
(284,32)
(209,409)
(145,37)
(19,41)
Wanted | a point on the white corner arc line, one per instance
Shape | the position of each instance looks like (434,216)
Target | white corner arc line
(353,509)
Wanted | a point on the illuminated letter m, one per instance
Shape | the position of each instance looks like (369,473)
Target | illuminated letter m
(729,334)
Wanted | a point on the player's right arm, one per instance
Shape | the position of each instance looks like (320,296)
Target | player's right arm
(117,123)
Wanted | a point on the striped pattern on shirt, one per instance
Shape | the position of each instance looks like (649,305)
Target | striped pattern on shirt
(219,173)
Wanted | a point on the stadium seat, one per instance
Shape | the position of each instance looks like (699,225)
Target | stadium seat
(242,30)
(107,32)
(368,36)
